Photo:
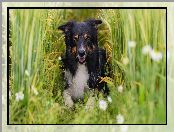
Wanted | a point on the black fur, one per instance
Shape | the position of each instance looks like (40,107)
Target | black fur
(96,67)
(95,58)
(69,61)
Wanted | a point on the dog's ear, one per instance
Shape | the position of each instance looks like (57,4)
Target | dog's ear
(66,27)
(94,22)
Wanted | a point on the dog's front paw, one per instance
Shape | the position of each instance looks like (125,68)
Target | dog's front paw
(67,99)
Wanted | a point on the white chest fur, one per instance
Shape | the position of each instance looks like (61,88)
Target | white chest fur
(77,83)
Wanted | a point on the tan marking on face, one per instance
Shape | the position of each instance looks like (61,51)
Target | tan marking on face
(76,37)
(93,47)
(89,49)
(74,50)
(85,36)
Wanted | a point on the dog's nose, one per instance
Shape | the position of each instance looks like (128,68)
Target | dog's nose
(81,53)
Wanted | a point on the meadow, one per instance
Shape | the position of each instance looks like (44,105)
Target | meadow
(135,41)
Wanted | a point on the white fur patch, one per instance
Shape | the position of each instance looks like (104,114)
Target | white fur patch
(77,83)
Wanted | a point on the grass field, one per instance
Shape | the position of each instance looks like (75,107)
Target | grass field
(135,41)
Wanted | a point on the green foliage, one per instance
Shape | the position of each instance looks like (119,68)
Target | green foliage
(36,44)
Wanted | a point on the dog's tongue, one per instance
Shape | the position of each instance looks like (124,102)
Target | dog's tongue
(81,59)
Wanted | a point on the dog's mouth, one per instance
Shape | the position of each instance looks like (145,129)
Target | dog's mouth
(81,59)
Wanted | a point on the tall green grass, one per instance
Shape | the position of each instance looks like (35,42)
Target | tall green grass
(36,44)
(144,80)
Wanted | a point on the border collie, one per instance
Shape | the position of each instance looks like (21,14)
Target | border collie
(84,61)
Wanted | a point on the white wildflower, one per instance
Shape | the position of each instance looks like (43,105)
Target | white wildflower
(124,128)
(131,44)
(109,99)
(34,90)
(27,73)
(59,58)
(120,119)
(120,88)
(146,49)
(103,105)
(125,60)
(156,56)
(19,96)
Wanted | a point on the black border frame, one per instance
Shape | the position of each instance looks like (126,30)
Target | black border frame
(8,8)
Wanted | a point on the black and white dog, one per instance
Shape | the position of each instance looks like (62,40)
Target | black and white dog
(84,61)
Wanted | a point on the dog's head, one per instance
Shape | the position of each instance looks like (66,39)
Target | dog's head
(81,38)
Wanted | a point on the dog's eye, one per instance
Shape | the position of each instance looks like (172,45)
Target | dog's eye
(76,37)
(87,37)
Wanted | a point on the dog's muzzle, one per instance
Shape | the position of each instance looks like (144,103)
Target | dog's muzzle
(81,56)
